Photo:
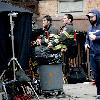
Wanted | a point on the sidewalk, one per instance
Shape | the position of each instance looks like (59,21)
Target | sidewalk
(79,91)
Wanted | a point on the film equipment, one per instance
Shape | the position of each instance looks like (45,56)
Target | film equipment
(13,59)
(16,66)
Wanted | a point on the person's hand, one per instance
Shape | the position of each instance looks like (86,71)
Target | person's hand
(92,36)
(63,50)
(86,46)
(33,43)
(50,45)
(38,41)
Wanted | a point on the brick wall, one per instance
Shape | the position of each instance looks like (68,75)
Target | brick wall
(51,6)
(88,4)
(80,22)
(48,7)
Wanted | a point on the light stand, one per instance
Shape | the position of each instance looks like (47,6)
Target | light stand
(13,59)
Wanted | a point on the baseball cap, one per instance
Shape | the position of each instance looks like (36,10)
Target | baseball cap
(91,14)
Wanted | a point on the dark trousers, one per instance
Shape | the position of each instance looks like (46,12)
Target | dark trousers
(65,66)
(93,65)
(95,62)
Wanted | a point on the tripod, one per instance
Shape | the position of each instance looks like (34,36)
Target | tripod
(13,60)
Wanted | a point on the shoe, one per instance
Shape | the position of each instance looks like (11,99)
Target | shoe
(98,97)
(48,95)
(60,94)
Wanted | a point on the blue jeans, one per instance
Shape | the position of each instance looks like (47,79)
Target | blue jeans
(93,65)
(97,62)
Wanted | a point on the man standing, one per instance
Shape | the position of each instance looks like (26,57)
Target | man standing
(67,39)
(68,29)
(93,43)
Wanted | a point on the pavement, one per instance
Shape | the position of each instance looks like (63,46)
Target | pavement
(79,91)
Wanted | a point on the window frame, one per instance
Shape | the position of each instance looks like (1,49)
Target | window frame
(73,11)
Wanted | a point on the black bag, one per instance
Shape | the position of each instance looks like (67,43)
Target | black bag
(72,50)
(76,75)
(44,55)
(42,52)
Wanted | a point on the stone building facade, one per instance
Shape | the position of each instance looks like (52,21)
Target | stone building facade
(52,7)
(57,8)
(48,7)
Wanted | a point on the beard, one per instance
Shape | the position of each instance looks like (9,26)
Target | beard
(93,22)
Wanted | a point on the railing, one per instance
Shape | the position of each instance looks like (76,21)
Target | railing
(82,58)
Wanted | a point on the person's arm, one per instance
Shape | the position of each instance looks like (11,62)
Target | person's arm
(97,35)
(53,37)
(87,42)
(66,33)
(54,41)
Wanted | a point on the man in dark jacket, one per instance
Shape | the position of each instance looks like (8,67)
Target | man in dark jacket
(68,29)
(93,42)
(46,41)
(48,31)
(67,39)
(49,39)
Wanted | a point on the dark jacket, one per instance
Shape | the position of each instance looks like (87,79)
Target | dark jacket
(50,35)
(67,34)
(94,45)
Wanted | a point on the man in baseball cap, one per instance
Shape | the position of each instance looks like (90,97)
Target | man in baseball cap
(93,43)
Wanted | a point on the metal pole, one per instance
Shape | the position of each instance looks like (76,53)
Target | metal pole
(12,40)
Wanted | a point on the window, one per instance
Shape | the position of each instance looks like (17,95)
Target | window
(70,6)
